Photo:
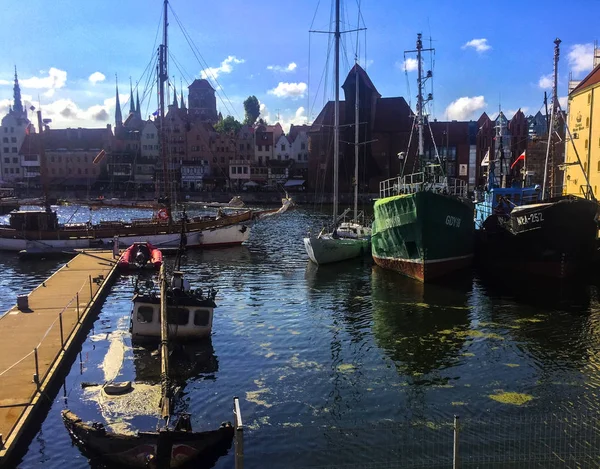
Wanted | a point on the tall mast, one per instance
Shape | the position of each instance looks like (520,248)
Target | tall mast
(420,99)
(43,166)
(500,147)
(336,121)
(356,144)
(162,78)
(550,144)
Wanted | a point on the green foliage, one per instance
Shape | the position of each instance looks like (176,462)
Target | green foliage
(229,124)
(252,108)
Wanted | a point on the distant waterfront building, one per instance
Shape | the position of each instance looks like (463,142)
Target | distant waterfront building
(202,102)
(584,124)
(15,125)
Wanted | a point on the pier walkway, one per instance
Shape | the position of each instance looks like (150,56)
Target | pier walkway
(35,339)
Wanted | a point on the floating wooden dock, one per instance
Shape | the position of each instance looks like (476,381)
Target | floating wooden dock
(37,337)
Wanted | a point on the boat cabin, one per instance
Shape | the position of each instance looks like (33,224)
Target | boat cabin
(189,313)
(353,230)
(38,220)
(503,200)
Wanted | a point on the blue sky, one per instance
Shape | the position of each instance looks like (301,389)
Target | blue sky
(68,53)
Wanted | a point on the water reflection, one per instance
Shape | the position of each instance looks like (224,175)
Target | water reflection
(412,323)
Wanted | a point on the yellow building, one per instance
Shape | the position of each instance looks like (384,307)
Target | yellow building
(584,124)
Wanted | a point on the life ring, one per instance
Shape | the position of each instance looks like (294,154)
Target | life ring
(162,214)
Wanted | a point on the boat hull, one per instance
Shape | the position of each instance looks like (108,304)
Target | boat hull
(424,235)
(556,239)
(326,249)
(170,449)
(220,236)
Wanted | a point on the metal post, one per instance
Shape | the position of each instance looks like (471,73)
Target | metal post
(455,458)
(239,435)
(62,337)
(36,377)
(91,293)
(77,299)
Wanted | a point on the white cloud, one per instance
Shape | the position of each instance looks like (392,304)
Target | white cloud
(279,68)
(546,81)
(225,67)
(286,118)
(563,101)
(581,57)
(409,65)
(289,90)
(56,79)
(464,108)
(5,82)
(96,77)
(480,45)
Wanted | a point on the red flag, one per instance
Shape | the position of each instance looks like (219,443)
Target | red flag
(521,157)
(99,157)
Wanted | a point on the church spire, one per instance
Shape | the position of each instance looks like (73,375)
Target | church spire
(175,104)
(131,101)
(138,111)
(18,105)
(118,116)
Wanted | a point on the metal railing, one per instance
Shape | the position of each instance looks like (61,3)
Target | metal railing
(41,359)
(420,181)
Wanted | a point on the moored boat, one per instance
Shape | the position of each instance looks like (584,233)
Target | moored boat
(423,225)
(141,255)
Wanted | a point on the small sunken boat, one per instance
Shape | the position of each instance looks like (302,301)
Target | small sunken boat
(141,255)
(164,448)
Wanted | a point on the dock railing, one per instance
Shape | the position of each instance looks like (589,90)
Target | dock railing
(41,359)
(419,181)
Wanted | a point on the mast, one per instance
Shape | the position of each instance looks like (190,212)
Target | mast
(356,144)
(162,78)
(420,100)
(43,168)
(550,144)
(500,150)
(336,121)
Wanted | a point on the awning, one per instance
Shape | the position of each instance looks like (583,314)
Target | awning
(250,184)
(294,182)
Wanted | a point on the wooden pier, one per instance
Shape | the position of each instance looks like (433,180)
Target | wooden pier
(36,338)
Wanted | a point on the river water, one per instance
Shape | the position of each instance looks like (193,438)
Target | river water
(349,365)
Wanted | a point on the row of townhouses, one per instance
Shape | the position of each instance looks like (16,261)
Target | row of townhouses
(196,157)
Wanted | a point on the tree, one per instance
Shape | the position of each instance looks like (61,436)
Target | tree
(252,108)
(229,124)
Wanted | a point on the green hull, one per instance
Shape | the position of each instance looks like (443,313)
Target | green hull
(423,235)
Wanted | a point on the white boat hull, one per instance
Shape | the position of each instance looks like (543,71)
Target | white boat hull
(223,236)
(326,249)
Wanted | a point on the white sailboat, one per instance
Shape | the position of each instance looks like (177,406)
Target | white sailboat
(349,239)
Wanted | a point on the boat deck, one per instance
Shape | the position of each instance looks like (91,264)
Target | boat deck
(34,340)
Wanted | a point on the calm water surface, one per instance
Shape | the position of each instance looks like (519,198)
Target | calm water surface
(338,365)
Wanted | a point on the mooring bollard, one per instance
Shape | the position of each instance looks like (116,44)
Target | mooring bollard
(456,459)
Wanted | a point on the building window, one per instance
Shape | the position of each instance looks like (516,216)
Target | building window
(245,169)
(282,147)
(233,168)
(14,149)
(15,160)
(12,170)
(13,139)
(303,146)
(587,122)
(586,143)
(7,160)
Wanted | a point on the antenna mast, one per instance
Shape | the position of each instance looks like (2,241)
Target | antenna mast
(550,145)
(163,76)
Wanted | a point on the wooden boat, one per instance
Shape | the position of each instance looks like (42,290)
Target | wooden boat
(141,255)
(164,448)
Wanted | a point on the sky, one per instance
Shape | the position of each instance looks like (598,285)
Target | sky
(487,54)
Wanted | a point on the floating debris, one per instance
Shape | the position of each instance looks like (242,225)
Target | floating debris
(514,398)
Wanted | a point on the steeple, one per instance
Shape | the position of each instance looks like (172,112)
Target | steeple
(131,101)
(118,116)
(175,104)
(182,101)
(18,105)
(138,111)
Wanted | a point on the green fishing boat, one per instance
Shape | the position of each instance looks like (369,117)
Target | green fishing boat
(424,223)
